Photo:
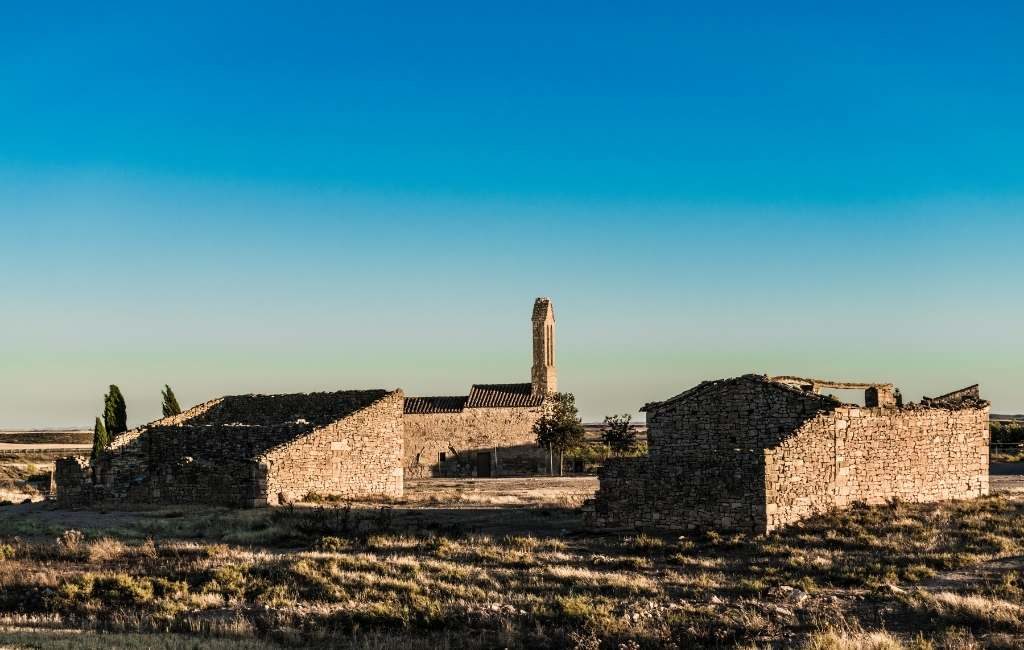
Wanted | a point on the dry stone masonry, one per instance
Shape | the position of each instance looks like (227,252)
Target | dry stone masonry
(250,450)
(753,454)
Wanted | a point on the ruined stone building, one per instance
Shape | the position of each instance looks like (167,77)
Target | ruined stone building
(250,450)
(754,453)
(489,431)
(268,449)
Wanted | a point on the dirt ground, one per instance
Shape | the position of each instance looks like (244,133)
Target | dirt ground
(542,505)
(1006,483)
(536,490)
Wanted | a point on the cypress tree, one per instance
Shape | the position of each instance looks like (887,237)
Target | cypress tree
(115,416)
(170,403)
(100,438)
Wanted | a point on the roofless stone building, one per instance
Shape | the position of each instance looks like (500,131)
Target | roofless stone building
(754,453)
(250,450)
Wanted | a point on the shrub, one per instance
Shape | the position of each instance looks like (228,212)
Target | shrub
(644,542)
(105,550)
(70,541)
(316,497)
(123,589)
(229,581)
(332,544)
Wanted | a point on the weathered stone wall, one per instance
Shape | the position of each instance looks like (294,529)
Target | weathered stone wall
(745,454)
(357,456)
(72,481)
(472,430)
(705,465)
(191,464)
(213,453)
(874,455)
(184,417)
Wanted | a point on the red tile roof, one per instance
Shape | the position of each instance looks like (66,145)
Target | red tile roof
(480,396)
(418,405)
(503,395)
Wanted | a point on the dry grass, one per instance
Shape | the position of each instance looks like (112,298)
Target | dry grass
(23,480)
(858,639)
(972,609)
(833,640)
(388,575)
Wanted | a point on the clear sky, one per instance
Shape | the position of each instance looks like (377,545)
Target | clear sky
(271,197)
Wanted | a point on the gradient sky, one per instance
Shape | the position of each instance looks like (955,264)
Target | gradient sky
(272,197)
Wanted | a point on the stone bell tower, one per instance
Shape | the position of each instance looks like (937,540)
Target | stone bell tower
(543,376)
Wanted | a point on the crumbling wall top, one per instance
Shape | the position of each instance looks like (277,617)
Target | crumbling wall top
(969,397)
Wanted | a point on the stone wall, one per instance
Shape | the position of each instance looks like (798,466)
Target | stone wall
(213,453)
(357,456)
(748,454)
(71,481)
(873,455)
(705,466)
(509,431)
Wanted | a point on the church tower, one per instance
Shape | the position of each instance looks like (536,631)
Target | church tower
(543,375)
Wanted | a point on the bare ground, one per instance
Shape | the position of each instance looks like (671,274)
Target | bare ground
(541,505)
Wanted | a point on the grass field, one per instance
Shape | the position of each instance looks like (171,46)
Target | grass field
(491,564)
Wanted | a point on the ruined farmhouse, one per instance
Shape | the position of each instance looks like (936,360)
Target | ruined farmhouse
(754,453)
(252,450)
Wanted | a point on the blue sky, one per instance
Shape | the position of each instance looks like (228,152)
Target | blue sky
(260,197)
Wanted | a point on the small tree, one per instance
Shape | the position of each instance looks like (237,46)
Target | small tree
(115,417)
(559,428)
(100,438)
(618,434)
(170,402)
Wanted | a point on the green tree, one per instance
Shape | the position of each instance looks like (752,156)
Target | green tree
(115,416)
(170,402)
(559,428)
(618,434)
(100,438)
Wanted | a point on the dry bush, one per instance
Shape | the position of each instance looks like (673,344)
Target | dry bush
(70,542)
(834,640)
(971,609)
(105,549)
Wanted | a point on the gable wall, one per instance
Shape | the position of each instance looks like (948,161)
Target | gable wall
(193,463)
(509,429)
(705,467)
(357,456)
